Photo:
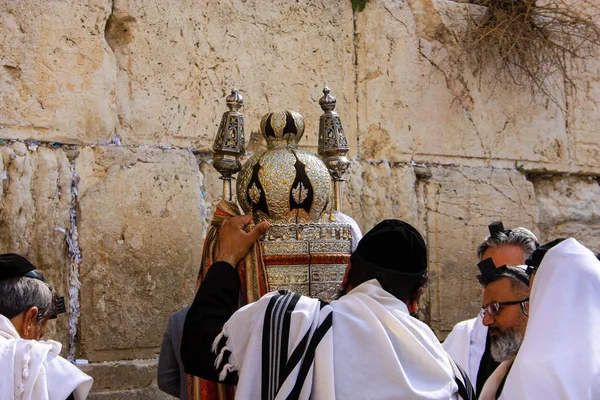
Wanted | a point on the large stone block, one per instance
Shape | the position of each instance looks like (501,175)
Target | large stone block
(380,190)
(583,103)
(125,380)
(569,207)
(140,233)
(177,66)
(460,203)
(35,199)
(57,74)
(121,375)
(419,102)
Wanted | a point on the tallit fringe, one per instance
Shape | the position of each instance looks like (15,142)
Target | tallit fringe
(230,365)
(220,356)
(25,372)
(215,344)
(227,368)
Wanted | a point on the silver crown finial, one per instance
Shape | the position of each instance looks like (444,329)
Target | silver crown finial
(230,142)
(333,145)
(327,102)
(235,101)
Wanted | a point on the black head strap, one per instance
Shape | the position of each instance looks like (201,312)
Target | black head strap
(59,306)
(489,272)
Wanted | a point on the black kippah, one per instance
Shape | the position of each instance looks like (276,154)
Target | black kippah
(13,265)
(394,253)
(394,245)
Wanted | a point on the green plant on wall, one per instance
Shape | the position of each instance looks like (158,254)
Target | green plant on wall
(359,5)
(532,42)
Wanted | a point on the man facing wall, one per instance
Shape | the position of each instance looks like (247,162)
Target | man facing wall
(32,369)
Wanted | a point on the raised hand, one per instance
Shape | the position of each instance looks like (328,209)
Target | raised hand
(234,242)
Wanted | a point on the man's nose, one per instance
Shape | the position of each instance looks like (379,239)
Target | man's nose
(487,319)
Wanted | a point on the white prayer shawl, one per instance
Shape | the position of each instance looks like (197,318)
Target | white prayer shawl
(363,346)
(466,345)
(33,370)
(560,354)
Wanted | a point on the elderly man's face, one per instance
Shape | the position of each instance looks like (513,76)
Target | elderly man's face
(507,326)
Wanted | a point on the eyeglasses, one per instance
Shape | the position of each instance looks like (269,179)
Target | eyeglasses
(494,308)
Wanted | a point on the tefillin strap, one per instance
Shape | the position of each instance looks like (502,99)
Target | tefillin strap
(489,272)
(59,307)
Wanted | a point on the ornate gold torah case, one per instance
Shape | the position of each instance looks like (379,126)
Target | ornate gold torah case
(305,250)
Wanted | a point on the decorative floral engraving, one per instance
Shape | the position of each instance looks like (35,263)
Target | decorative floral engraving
(254,193)
(278,120)
(299,193)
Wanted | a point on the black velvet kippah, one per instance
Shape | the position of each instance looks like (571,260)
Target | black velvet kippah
(394,253)
(394,245)
(13,265)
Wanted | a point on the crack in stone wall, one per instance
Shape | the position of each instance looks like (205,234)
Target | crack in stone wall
(74,264)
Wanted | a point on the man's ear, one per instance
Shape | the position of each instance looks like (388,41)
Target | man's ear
(413,306)
(30,322)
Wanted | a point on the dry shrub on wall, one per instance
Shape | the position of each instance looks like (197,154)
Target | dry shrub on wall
(530,42)
(359,5)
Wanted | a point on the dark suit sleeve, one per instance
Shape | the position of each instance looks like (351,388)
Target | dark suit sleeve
(213,305)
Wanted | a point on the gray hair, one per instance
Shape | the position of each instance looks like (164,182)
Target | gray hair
(517,237)
(20,294)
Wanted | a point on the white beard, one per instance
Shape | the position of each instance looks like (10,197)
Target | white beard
(506,345)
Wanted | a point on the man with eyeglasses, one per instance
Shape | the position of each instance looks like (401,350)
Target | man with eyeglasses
(31,368)
(469,343)
(558,359)
(505,312)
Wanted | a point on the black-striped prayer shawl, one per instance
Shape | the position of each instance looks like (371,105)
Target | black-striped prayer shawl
(279,362)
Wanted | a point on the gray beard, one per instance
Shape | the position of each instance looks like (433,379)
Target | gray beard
(506,345)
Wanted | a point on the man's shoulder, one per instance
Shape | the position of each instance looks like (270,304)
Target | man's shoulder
(281,300)
(467,324)
(466,331)
(179,316)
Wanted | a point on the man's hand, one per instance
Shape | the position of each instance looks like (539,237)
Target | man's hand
(234,242)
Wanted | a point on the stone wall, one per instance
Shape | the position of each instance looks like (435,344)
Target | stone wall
(108,110)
